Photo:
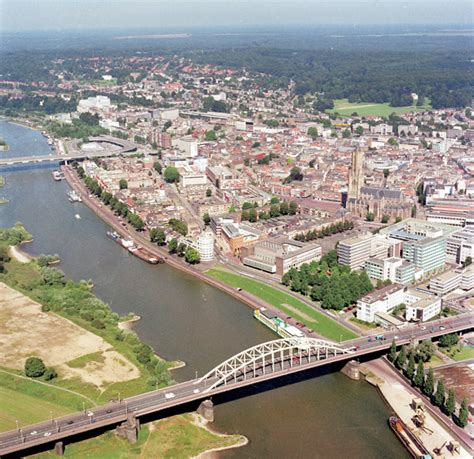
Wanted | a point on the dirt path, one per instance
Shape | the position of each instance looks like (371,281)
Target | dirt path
(302,314)
(50,385)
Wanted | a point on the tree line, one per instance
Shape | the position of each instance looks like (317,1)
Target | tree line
(411,363)
(334,285)
(109,199)
(329,230)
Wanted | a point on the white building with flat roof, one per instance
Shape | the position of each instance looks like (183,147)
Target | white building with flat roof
(424,309)
(445,283)
(382,300)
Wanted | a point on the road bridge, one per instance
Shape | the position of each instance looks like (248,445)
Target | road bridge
(264,362)
(75,154)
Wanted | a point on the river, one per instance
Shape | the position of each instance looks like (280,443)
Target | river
(324,417)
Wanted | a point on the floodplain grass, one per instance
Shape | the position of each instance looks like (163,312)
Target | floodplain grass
(345,108)
(313,319)
(30,401)
(177,437)
(83,360)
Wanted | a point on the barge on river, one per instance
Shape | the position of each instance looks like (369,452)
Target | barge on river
(278,325)
(409,440)
(138,251)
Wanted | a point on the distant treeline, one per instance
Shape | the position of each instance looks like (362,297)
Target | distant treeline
(360,76)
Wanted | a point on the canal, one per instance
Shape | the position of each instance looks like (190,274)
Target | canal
(183,319)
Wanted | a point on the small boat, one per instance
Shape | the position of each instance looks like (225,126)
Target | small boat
(78,217)
(113,235)
(57,175)
(74,197)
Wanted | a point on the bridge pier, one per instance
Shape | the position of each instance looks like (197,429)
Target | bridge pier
(59,448)
(129,429)
(206,410)
(351,370)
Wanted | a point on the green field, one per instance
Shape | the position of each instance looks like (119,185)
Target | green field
(288,304)
(464,354)
(345,108)
(176,437)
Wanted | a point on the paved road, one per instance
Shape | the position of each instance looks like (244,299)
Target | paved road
(112,414)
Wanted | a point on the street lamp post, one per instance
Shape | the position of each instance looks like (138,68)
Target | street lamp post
(17,426)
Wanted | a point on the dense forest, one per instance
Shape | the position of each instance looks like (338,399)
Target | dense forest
(360,76)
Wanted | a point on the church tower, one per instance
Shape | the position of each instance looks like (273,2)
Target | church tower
(356,173)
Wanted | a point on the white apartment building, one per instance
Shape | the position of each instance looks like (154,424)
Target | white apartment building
(467,280)
(382,300)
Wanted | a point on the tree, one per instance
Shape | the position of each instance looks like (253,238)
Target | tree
(252,215)
(210,136)
(450,407)
(346,133)
(206,219)
(192,256)
(293,208)
(463,413)
(420,375)
(123,184)
(274,200)
(181,250)
(440,394)
(34,367)
(158,236)
(171,174)
(392,355)
(313,132)
(392,141)
(158,167)
(173,245)
(410,371)
(284,208)
(413,211)
(424,351)
(401,358)
(167,125)
(359,130)
(386,173)
(295,174)
(385,218)
(428,386)
(274,211)
(448,340)
(467,261)
(208,193)
(370,217)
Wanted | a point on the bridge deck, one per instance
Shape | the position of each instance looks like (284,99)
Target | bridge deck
(112,414)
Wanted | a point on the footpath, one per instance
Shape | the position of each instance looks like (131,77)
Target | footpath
(438,431)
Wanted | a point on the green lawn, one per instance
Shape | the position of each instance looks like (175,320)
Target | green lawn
(345,108)
(286,303)
(464,354)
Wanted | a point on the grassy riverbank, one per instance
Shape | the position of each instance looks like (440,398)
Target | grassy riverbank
(178,437)
(286,303)
(63,323)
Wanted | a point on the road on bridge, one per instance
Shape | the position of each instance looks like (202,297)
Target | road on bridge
(114,413)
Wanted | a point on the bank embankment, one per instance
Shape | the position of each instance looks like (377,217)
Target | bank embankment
(399,396)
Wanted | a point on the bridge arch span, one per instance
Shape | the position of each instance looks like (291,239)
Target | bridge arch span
(271,357)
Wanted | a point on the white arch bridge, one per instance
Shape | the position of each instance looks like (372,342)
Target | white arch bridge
(270,358)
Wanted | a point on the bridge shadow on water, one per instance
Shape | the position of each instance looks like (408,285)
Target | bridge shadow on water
(219,399)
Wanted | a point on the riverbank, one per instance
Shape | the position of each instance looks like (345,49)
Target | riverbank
(19,255)
(399,397)
(330,328)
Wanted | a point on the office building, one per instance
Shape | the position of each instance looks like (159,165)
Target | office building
(382,300)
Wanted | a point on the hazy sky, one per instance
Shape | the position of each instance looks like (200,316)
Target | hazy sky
(17,15)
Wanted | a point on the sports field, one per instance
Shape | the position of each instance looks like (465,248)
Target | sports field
(345,108)
(288,304)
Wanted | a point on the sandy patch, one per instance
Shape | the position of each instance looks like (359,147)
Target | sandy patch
(303,315)
(26,331)
(19,255)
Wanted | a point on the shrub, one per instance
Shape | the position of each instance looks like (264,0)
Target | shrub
(34,367)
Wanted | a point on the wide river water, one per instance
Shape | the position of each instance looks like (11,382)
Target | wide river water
(328,416)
